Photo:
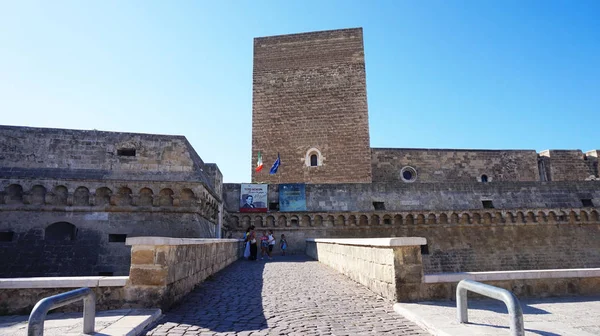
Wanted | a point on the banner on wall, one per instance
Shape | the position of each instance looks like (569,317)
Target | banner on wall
(253,198)
(292,197)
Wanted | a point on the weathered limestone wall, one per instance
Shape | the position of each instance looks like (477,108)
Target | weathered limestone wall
(19,296)
(458,241)
(570,165)
(309,96)
(393,268)
(56,153)
(94,210)
(399,196)
(387,266)
(454,165)
(163,270)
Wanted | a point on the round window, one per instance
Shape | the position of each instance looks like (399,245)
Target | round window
(408,174)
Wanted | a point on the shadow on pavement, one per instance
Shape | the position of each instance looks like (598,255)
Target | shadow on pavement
(228,301)
(489,305)
(535,331)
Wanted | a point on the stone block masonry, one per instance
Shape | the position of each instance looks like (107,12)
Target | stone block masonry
(309,97)
(393,268)
(390,267)
(163,270)
(457,241)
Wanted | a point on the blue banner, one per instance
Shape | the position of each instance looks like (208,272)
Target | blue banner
(292,197)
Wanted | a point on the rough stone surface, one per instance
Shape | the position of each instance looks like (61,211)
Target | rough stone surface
(286,296)
(68,198)
(455,165)
(399,196)
(21,301)
(458,241)
(309,92)
(168,272)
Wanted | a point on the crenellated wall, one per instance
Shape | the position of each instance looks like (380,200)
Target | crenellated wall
(78,227)
(458,241)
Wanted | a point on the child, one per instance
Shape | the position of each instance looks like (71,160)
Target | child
(264,245)
(283,244)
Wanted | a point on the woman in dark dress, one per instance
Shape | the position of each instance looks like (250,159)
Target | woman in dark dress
(253,245)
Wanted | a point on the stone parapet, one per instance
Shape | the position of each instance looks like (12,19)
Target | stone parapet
(390,267)
(64,282)
(395,271)
(163,270)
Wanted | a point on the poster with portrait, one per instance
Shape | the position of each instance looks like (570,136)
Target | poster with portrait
(292,197)
(253,198)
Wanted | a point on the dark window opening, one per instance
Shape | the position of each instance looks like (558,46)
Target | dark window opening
(379,205)
(6,236)
(126,152)
(387,221)
(61,231)
(294,222)
(487,204)
(274,206)
(424,250)
(105,273)
(117,238)
(587,202)
(484,178)
(313,160)
(407,174)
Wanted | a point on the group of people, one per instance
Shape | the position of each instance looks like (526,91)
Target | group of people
(267,242)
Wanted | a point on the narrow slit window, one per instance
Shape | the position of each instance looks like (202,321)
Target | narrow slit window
(6,236)
(586,202)
(487,204)
(313,160)
(484,178)
(379,205)
(126,152)
(117,238)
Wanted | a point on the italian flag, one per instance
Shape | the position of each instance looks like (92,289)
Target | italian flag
(259,163)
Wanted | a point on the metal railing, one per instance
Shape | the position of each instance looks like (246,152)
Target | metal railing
(35,325)
(512,303)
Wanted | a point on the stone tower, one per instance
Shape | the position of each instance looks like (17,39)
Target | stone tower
(310,105)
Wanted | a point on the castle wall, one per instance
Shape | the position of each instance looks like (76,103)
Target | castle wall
(69,198)
(570,165)
(457,241)
(47,152)
(309,96)
(91,252)
(454,165)
(400,196)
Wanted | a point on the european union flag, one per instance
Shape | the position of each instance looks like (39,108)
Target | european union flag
(275,165)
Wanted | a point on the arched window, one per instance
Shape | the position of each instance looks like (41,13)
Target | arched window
(313,158)
(484,178)
(60,231)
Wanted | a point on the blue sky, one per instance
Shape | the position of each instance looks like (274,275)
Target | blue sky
(440,74)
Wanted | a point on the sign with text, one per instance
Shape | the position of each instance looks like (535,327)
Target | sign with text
(253,198)
(292,197)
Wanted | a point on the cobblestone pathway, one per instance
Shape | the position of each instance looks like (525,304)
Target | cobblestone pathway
(289,295)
